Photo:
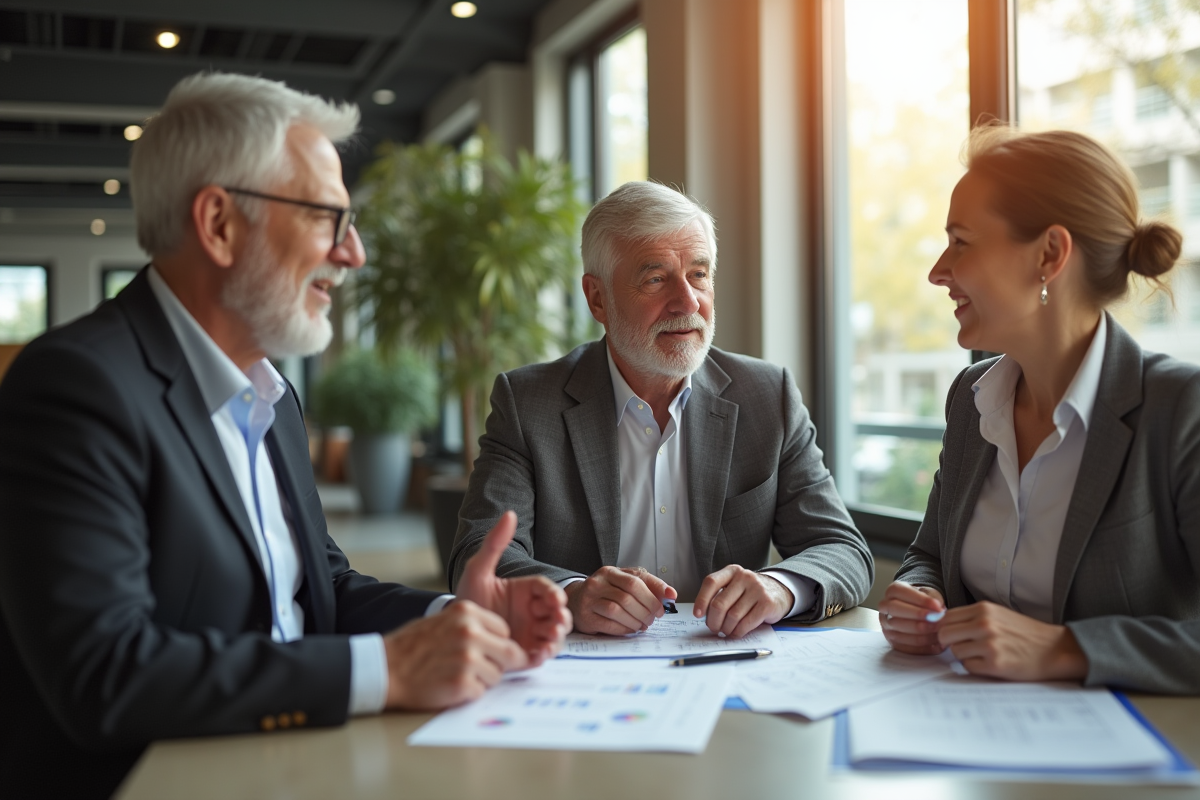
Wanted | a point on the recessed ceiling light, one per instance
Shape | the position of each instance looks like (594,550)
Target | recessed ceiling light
(167,39)
(463,10)
(112,186)
(133,132)
(383,97)
(98,227)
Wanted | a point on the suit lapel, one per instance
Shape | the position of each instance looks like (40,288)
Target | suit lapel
(709,429)
(165,357)
(1108,440)
(592,428)
(317,579)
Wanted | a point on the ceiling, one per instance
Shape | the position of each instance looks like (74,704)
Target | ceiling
(75,73)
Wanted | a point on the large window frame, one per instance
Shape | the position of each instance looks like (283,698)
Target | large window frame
(991,45)
(48,270)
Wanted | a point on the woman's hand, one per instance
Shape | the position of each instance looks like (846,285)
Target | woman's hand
(998,642)
(909,616)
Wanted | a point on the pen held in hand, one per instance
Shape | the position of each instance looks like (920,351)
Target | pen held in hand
(717,656)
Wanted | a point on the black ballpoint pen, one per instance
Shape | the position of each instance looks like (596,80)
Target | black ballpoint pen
(717,656)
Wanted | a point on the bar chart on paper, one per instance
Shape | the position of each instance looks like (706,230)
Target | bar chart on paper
(590,705)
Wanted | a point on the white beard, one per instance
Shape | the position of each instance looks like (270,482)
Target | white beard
(640,349)
(261,292)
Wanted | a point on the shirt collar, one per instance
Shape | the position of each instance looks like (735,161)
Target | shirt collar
(995,388)
(219,378)
(622,394)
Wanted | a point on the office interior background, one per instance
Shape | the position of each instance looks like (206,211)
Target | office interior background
(823,135)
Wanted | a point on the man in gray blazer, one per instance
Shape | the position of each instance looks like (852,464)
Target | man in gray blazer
(650,466)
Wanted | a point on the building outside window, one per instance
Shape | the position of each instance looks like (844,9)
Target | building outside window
(903,112)
(1142,59)
(24,302)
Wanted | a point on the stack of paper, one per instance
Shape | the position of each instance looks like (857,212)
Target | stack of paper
(820,671)
(671,636)
(590,705)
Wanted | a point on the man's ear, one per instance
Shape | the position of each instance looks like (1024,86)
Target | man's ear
(594,292)
(1057,247)
(219,225)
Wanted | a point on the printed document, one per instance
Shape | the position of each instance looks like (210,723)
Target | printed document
(819,672)
(571,704)
(671,636)
(979,723)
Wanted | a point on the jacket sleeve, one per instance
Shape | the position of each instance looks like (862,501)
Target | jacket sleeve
(75,590)
(1157,654)
(813,530)
(503,479)
(922,565)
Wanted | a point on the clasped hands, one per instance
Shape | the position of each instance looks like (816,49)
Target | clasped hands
(988,639)
(495,625)
(624,600)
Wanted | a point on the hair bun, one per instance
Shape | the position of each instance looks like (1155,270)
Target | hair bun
(1154,249)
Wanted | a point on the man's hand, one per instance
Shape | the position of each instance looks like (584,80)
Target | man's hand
(534,607)
(449,658)
(904,617)
(998,642)
(737,600)
(617,600)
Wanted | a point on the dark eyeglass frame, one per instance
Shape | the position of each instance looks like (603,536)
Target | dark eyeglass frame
(341,225)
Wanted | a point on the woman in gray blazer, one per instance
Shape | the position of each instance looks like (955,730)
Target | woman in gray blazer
(1062,536)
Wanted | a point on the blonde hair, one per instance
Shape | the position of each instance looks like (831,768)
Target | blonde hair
(1069,179)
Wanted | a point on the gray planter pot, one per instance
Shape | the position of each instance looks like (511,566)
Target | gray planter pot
(379,466)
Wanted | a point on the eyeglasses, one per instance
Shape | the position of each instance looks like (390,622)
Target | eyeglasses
(341,226)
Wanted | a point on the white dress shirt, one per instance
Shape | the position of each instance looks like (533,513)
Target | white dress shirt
(236,399)
(656,525)
(1011,544)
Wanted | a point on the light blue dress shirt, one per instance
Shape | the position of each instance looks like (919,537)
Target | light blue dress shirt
(242,405)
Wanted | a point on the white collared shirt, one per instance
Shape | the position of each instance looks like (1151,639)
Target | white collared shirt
(1011,545)
(223,387)
(656,524)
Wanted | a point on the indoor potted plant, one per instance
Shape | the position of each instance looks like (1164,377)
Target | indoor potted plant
(461,245)
(382,399)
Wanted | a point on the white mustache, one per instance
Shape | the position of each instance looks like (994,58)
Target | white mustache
(690,322)
(335,275)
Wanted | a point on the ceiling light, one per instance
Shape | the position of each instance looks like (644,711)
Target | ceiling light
(167,39)
(463,10)
(98,227)
(383,97)
(112,186)
(133,132)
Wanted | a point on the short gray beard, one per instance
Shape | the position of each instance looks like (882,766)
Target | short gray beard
(261,292)
(640,349)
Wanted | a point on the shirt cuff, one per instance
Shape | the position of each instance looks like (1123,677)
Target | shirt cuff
(438,603)
(368,674)
(803,589)
(565,582)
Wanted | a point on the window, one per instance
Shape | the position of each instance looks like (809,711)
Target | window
(1142,56)
(24,302)
(114,279)
(904,113)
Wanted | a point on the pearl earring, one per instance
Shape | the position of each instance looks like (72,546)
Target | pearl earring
(1044,296)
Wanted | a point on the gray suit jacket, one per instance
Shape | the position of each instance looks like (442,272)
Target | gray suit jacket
(755,475)
(1125,582)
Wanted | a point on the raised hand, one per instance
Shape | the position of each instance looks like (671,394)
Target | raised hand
(737,600)
(617,600)
(534,607)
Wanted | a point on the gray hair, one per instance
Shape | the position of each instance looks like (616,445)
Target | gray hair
(639,212)
(224,130)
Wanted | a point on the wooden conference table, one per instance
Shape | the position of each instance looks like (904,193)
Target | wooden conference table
(749,756)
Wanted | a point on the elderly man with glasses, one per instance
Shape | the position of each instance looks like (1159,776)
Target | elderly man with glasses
(165,568)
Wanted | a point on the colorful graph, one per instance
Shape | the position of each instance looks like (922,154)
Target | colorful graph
(631,716)
(495,722)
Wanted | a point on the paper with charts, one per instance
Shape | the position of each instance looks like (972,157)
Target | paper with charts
(979,723)
(590,705)
(819,672)
(671,636)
